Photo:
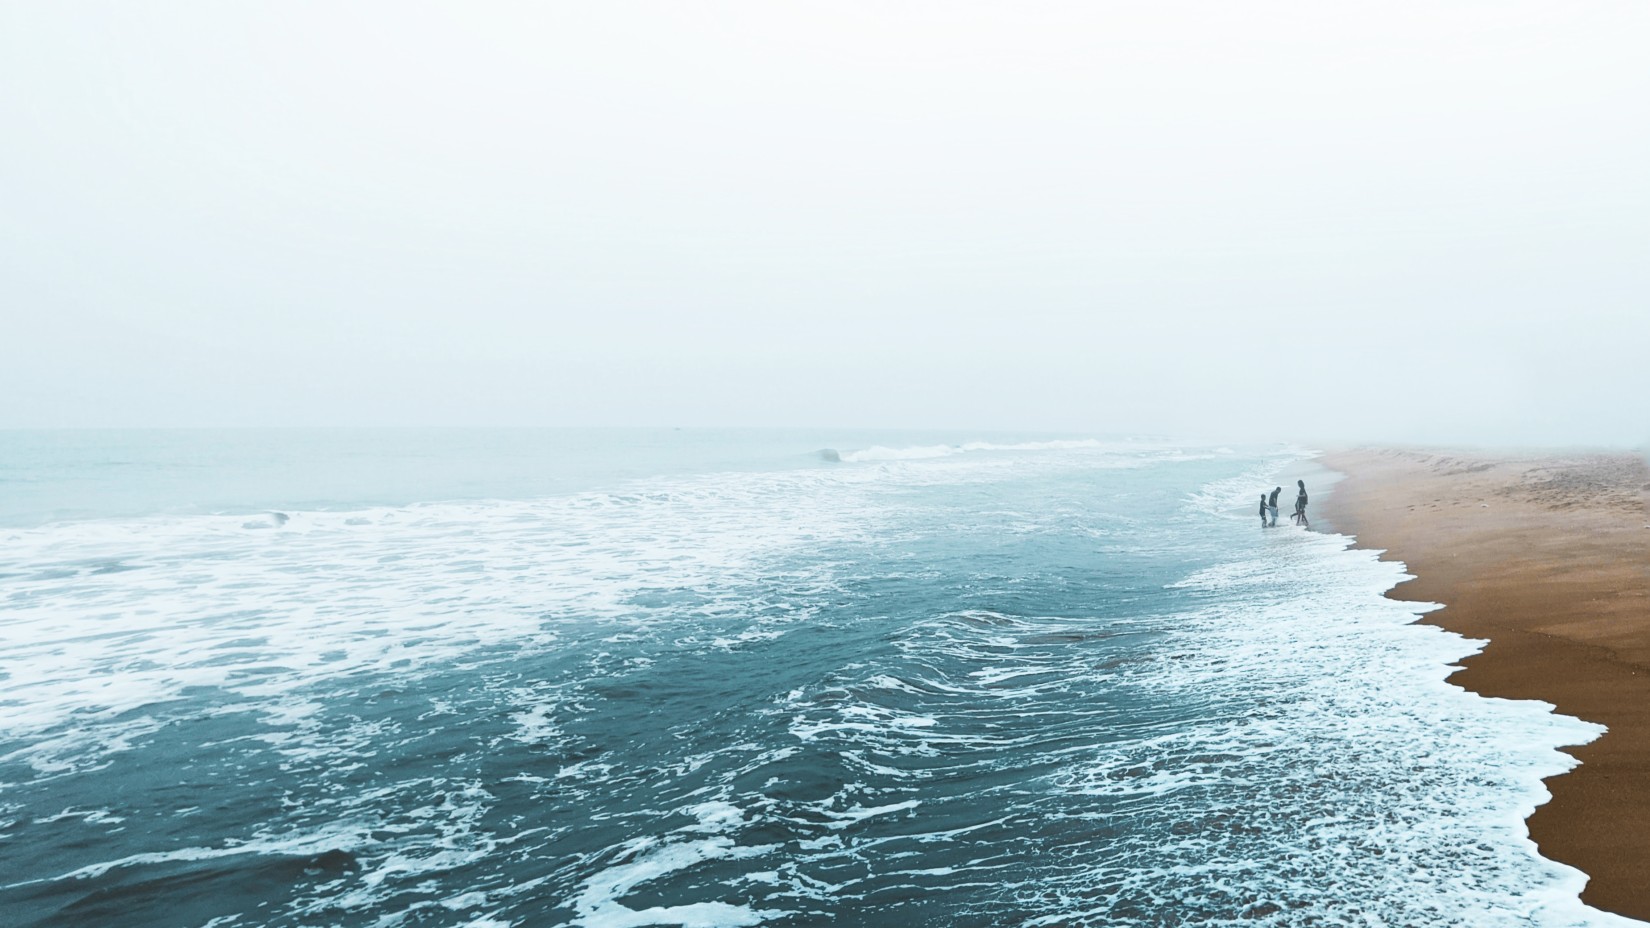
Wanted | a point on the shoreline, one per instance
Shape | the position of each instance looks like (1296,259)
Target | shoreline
(1547,557)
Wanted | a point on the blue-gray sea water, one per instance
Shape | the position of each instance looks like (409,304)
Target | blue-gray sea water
(628,678)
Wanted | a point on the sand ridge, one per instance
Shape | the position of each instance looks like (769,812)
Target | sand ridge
(1546,555)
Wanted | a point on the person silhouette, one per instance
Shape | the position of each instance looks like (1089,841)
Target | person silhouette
(1263,510)
(1272,503)
(1300,504)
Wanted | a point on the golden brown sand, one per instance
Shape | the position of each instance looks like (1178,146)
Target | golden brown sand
(1548,557)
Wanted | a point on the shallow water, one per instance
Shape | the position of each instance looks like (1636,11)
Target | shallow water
(936,681)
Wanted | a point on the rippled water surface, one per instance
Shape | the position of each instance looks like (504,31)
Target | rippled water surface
(738,682)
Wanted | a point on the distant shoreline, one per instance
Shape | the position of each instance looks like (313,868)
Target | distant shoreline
(1548,557)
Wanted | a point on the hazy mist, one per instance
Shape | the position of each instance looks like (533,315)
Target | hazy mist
(1377,221)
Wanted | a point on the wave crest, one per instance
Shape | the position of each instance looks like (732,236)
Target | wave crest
(925,452)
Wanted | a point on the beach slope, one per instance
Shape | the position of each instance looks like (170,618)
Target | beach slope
(1548,557)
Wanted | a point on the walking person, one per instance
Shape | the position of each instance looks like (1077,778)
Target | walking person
(1300,504)
(1263,510)
(1272,504)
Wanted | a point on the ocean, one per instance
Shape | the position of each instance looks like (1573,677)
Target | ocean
(616,678)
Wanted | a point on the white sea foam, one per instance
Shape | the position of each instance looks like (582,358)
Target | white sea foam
(1302,614)
(600,902)
(918,453)
(879,453)
(842,818)
(1342,698)
(115,628)
(201,602)
(1327,738)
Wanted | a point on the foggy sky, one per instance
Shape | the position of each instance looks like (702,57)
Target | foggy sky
(1406,221)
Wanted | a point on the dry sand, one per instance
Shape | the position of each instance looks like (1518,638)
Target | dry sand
(1548,557)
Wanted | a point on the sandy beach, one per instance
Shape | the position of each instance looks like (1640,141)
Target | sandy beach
(1548,557)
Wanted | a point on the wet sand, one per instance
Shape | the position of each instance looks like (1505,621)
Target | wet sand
(1548,557)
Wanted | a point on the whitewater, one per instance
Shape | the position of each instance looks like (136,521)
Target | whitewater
(732,679)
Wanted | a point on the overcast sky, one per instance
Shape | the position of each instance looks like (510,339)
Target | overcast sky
(1389,220)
